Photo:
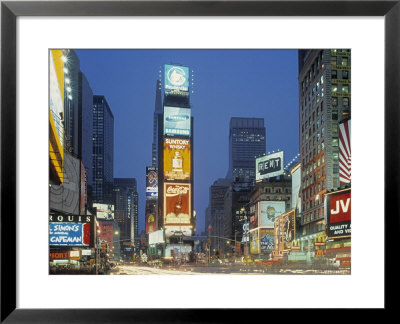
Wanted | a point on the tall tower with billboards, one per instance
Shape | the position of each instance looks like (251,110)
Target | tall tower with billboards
(175,163)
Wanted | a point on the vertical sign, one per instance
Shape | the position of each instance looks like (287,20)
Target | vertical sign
(344,152)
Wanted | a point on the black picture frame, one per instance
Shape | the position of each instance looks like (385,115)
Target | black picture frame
(10,10)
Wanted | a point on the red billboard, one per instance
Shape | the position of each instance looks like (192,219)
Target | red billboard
(339,213)
(177,203)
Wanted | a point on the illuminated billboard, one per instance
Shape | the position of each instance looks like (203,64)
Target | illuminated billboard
(176,159)
(266,240)
(254,243)
(176,121)
(56,102)
(176,79)
(150,217)
(69,234)
(71,230)
(268,211)
(104,211)
(177,203)
(285,230)
(178,230)
(339,213)
(151,183)
(156,237)
(270,165)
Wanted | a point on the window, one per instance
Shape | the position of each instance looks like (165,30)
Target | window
(317,123)
(335,141)
(345,88)
(334,88)
(345,102)
(322,132)
(333,60)
(322,119)
(334,74)
(345,75)
(334,114)
(345,61)
(334,128)
(334,101)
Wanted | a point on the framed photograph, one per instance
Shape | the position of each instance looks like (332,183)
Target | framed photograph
(52,239)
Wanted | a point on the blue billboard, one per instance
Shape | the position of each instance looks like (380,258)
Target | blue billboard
(69,234)
(151,182)
(176,78)
(176,121)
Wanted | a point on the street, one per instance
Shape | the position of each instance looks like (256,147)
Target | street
(132,269)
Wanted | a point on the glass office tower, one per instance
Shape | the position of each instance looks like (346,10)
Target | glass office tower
(246,141)
(103,151)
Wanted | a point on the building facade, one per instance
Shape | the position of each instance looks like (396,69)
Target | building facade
(246,141)
(324,101)
(268,200)
(216,212)
(126,209)
(103,151)
(236,211)
(85,131)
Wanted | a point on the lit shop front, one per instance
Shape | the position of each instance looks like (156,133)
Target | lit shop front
(338,242)
(71,241)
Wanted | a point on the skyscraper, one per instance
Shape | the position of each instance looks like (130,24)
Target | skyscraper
(216,210)
(175,162)
(246,141)
(324,102)
(151,210)
(103,151)
(125,207)
(85,131)
(158,110)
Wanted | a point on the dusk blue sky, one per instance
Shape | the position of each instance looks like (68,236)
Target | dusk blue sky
(227,83)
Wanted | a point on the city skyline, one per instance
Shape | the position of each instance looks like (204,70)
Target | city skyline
(227,83)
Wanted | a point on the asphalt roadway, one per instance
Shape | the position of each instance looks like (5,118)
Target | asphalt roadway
(132,269)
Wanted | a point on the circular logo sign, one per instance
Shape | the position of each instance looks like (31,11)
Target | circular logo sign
(270,211)
(176,76)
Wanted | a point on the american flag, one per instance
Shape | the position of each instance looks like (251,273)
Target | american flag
(344,153)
